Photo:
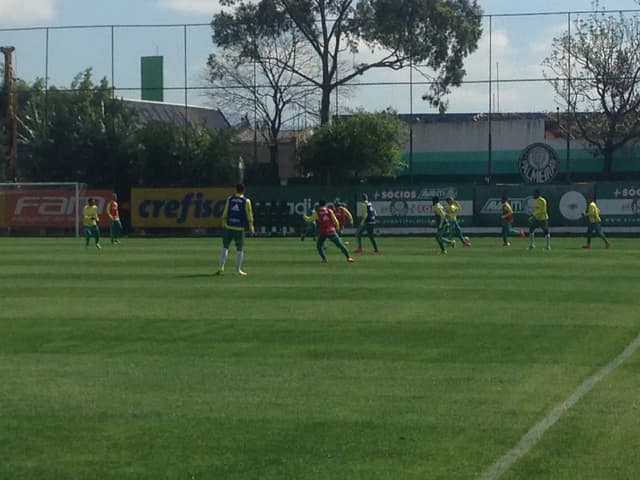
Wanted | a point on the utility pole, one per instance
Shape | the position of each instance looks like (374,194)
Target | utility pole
(12,123)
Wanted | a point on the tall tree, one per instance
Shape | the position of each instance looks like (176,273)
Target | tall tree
(252,74)
(595,70)
(78,133)
(437,33)
(363,144)
(169,156)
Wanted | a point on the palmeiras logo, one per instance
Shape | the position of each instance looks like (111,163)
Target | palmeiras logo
(538,163)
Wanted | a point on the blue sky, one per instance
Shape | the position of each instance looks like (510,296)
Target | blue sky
(519,46)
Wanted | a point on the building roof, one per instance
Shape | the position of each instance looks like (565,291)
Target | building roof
(175,113)
(468,117)
(246,135)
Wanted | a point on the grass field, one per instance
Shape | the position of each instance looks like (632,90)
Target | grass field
(136,362)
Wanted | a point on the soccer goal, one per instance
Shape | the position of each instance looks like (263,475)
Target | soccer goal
(47,208)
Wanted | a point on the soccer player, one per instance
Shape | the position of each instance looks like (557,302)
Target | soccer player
(593,214)
(539,219)
(236,217)
(327,229)
(452,208)
(442,226)
(310,229)
(91,219)
(114,219)
(507,222)
(367,223)
(343,215)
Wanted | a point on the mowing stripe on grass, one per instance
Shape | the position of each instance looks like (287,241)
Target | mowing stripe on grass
(533,436)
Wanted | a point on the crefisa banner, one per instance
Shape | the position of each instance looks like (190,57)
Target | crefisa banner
(38,208)
(178,207)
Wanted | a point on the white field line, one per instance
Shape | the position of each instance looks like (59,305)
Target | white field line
(533,436)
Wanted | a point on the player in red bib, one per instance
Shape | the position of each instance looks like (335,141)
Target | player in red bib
(343,215)
(328,226)
(114,219)
(507,222)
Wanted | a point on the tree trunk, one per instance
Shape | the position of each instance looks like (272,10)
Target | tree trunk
(273,155)
(608,163)
(325,104)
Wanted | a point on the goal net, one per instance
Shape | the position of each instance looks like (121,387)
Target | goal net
(43,208)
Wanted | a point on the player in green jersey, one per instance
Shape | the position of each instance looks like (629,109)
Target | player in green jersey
(442,226)
(236,217)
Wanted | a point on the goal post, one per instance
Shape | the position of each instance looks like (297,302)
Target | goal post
(42,208)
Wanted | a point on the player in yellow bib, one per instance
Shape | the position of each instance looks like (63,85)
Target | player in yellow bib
(453,208)
(593,215)
(539,219)
(91,219)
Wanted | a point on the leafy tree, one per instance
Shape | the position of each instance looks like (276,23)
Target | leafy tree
(252,70)
(79,133)
(437,33)
(596,71)
(171,156)
(83,134)
(363,144)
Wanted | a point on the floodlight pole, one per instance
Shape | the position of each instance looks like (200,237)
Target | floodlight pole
(490,145)
(569,98)
(411,119)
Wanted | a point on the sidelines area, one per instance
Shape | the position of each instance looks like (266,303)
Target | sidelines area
(535,434)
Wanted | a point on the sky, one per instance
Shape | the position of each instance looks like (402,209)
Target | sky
(519,44)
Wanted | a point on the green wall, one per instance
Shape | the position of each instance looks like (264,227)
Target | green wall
(506,162)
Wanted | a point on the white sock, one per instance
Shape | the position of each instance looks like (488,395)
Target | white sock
(239,259)
(532,237)
(223,257)
(547,239)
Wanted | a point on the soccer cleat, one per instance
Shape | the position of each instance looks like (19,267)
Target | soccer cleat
(324,260)
(242,274)
(220,271)
(376,251)
(548,247)
(531,247)
(586,247)
(98,246)
(443,252)
(506,244)
(359,250)
(350,259)
(522,233)
(452,244)
(607,245)
(466,244)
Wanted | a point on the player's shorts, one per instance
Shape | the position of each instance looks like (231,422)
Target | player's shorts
(595,227)
(116,226)
(92,231)
(542,224)
(236,236)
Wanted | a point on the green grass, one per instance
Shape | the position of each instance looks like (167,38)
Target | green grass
(136,362)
